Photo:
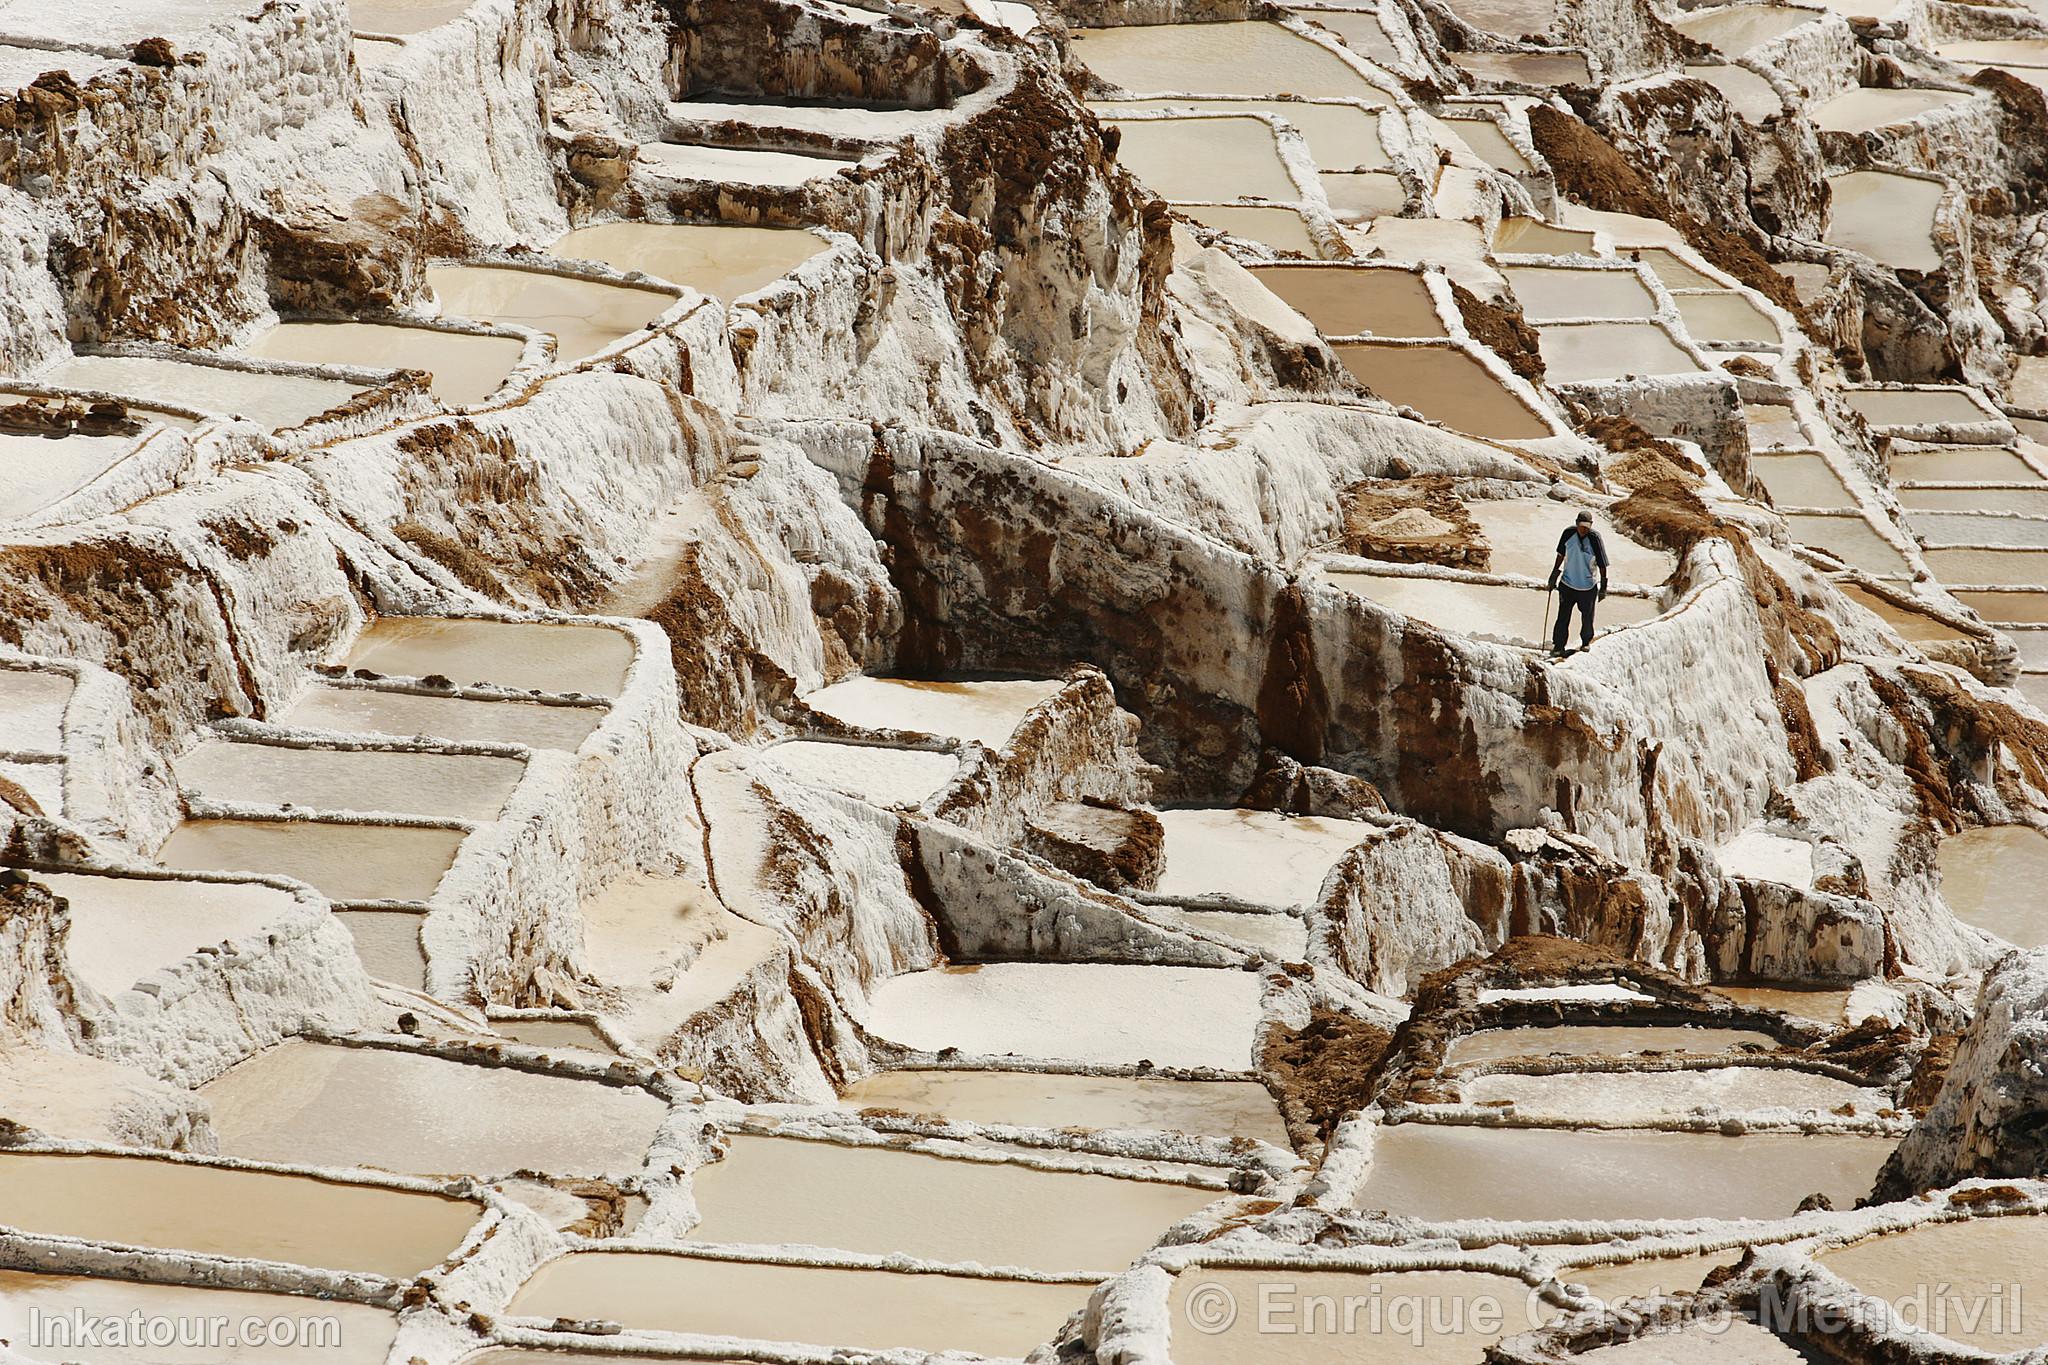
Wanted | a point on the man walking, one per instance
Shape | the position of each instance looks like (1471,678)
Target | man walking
(1580,551)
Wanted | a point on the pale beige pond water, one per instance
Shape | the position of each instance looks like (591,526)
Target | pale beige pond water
(1916,626)
(1442,1172)
(1801,480)
(1077,1012)
(887,777)
(1061,1099)
(741,166)
(1598,1040)
(1992,51)
(452,786)
(1279,228)
(1554,291)
(1257,856)
(467,368)
(1525,68)
(1364,195)
(1341,137)
(1206,159)
(1727,316)
(1673,269)
(368,711)
(2028,568)
(725,260)
(1348,301)
(1749,94)
(1487,611)
(2007,606)
(1862,109)
(1823,1004)
(1961,464)
(273,401)
(987,711)
(1581,1096)
(1487,142)
(1445,385)
(1978,1260)
(1611,350)
(1917,407)
(264,1214)
(2033,500)
(1851,540)
(1531,236)
(584,316)
(123,928)
(1735,29)
(1243,58)
(351,1106)
(1278,935)
(32,705)
(1361,32)
(1970,528)
(36,471)
(388,945)
(400,17)
(1427,1317)
(341,862)
(536,657)
(1734,1342)
(772,1190)
(1991,877)
(554,1034)
(1887,217)
(871,1309)
(348,1333)
(1522,534)
(1621,1281)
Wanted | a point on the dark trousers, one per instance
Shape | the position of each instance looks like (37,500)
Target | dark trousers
(1567,598)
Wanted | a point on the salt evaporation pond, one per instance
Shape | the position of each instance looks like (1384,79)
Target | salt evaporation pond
(361,1335)
(402,17)
(1509,18)
(1961,464)
(1573,352)
(1238,58)
(1599,1040)
(740,165)
(872,772)
(1485,140)
(1444,1172)
(1043,1099)
(1977,1262)
(266,1215)
(987,711)
(1652,1277)
(388,945)
(1970,528)
(1547,292)
(1283,229)
(2027,568)
(771,1190)
(1076,1012)
(1525,68)
(1863,109)
(1426,1317)
(374,711)
(467,367)
(2015,605)
(1279,935)
(1749,94)
(124,928)
(1735,29)
(1349,301)
(1642,1095)
(1673,269)
(584,316)
(454,786)
(1365,195)
(1341,137)
(1886,216)
(1206,158)
(2031,501)
(323,1105)
(1445,385)
(1728,317)
(555,1034)
(38,470)
(1823,1004)
(1801,480)
(1918,407)
(1256,856)
(1532,236)
(32,706)
(1522,534)
(869,1309)
(1851,540)
(1487,611)
(1739,1342)
(533,656)
(1992,876)
(343,862)
(725,260)
(272,401)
